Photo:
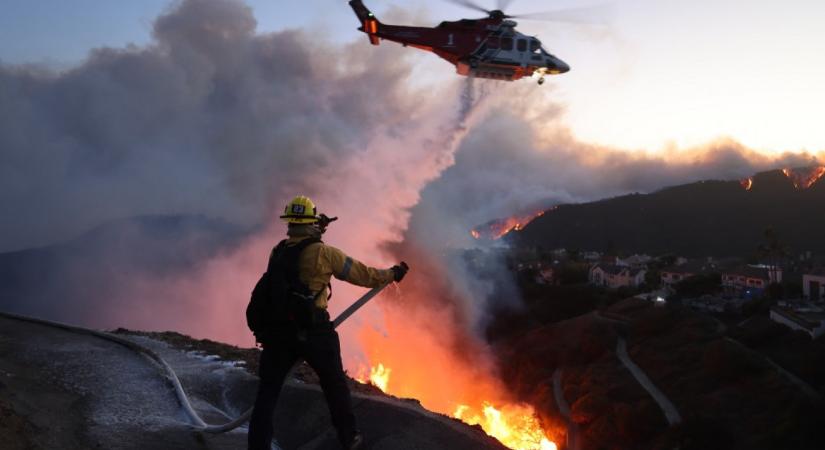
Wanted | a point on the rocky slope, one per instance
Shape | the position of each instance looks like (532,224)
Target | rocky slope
(63,390)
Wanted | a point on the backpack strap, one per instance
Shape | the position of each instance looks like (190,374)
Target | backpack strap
(286,257)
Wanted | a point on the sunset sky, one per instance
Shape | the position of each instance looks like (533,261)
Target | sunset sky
(662,73)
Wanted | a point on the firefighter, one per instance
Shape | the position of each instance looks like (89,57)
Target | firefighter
(315,341)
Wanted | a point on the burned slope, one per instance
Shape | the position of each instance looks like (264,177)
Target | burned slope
(705,218)
(728,396)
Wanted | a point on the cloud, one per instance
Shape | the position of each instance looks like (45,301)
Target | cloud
(210,118)
(512,163)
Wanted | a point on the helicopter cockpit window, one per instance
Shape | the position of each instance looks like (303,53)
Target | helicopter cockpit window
(521,45)
(492,42)
(506,43)
(535,46)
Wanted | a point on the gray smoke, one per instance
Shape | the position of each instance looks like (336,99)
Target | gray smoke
(211,118)
(505,167)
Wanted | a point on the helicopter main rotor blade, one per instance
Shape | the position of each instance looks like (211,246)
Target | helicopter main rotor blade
(588,15)
(471,5)
(503,4)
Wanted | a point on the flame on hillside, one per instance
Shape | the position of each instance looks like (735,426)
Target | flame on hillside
(747,183)
(514,425)
(501,227)
(806,177)
(378,376)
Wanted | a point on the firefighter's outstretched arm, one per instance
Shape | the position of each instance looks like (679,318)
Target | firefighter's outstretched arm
(347,269)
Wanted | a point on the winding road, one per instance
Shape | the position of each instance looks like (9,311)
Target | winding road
(564,409)
(671,413)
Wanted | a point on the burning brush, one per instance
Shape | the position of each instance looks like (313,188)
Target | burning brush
(501,227)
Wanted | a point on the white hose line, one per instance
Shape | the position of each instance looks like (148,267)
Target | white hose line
(149,354)
(194,418)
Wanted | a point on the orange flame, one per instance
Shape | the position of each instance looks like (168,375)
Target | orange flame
(423,338)
(514,426)
(747,183)
(804,178)
(500,228)
(379,376)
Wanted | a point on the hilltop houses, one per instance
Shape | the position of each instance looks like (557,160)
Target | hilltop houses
(809,319)
(614,276)
(813,285)
(750,280)
(672,275)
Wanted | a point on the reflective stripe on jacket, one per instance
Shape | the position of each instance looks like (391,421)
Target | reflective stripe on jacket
(320,262)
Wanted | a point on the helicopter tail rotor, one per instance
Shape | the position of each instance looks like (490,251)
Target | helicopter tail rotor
(369,23)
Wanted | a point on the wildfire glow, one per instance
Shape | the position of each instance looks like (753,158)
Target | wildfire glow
(379,376)
(499,228)
(514,426)
(747,183)
(421,339)
(804,178)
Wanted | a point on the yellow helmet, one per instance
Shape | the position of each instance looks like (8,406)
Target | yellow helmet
(300,210)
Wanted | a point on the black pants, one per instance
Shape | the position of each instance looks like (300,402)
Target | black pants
(322,350)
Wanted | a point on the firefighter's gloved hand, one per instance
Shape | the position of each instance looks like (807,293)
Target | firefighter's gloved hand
(399,270)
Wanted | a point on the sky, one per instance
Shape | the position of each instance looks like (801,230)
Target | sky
(663,73)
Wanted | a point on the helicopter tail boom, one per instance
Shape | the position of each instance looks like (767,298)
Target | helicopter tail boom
(369,23)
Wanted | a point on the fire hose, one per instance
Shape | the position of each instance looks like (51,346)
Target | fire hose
(196,421)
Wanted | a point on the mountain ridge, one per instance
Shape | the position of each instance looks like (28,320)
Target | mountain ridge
(711,217)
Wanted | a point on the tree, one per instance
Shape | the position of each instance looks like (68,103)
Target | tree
(774,251)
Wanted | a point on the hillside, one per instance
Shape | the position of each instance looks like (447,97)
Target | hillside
(66,281)
(68,390)
(728,396)
(722,218)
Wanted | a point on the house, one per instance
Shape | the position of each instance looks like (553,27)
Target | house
(546,275)
(813,285)
(811,320)
(674,274)
(613,276)
(634,261)
(591,256)
(750,280)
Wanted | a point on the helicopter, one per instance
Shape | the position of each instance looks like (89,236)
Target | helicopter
(485,48)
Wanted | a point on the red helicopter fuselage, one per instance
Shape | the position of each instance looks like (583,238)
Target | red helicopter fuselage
(485,48)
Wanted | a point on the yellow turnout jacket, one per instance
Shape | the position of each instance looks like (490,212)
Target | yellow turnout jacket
(320,262)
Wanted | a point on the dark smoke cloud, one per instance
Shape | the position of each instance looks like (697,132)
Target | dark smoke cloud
(210,118)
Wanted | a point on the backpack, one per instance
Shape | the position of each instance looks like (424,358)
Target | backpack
(280,301)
